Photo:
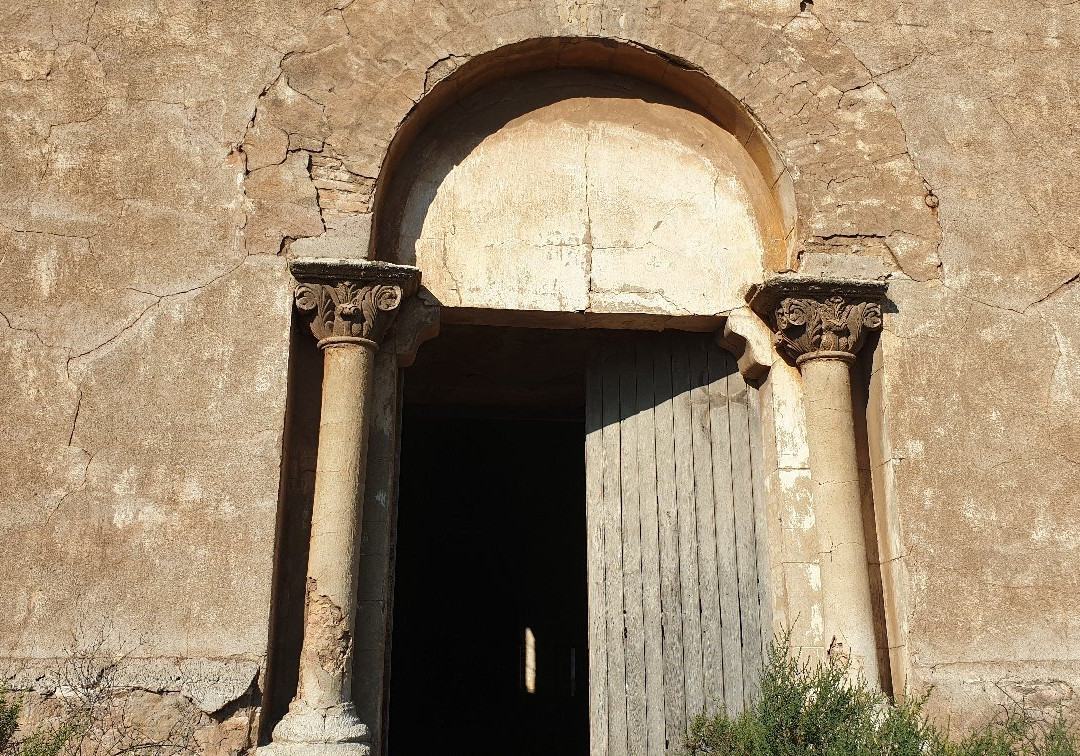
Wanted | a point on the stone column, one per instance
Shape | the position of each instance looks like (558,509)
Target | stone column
(821,324)
(350,305)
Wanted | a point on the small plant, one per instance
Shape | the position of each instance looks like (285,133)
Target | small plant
(9,719)
(806,709)
(44,741)
(88,714)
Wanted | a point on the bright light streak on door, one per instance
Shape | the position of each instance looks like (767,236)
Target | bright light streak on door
(530,661)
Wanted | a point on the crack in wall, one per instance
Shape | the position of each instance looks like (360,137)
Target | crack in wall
(587,238)
(430,76)
(160,298)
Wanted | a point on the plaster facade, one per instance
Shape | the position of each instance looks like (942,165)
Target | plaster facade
(164,164)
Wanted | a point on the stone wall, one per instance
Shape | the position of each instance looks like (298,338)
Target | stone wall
(161,161)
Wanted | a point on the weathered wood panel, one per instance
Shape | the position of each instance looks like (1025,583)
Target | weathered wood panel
(761,529)
(595,515)
(761,525)
(724,473)
(613,546)
(668,522)
(677,621)
(634,636)
(648,505)
(745,539)
(709,576)
(685,502)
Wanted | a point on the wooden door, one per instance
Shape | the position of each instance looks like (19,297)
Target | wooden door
(679,610)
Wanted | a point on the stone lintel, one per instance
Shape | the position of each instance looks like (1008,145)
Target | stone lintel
(351,301)
(816,317)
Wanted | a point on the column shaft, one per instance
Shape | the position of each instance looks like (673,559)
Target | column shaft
(848,608)
(330,612)
(821,324)
(322,718)
(350,305)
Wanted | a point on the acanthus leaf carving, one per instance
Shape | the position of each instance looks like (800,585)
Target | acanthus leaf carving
(832,324)
(363,309)
(819,315)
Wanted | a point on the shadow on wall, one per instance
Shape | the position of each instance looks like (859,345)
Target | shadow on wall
(577,191)
(296,495)
(450,139)
(865,414)
(617,70)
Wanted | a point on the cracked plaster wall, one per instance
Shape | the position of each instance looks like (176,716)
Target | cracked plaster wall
(160,159)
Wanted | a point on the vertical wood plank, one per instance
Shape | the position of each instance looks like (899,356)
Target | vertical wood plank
(613,558)
(694,685)
(761,530)
(678,623)
(650,548)
(670,582)
(745,537)
(712,647)
(720,366)
(594,517)
(633,609)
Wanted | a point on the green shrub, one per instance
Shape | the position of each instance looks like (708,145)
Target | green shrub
(9,719)
(808,709)
(44,741)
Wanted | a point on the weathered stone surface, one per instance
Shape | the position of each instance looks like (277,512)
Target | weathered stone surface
(131,720)
(178,476)
(41,405)
(157,159)
(283,204)
(210,684)
(596,202)
(981,486)
(998,150)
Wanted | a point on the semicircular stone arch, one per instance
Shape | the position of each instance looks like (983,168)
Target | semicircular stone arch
(351,100)
(582,193)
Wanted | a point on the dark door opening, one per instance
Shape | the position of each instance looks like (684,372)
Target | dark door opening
(489,650)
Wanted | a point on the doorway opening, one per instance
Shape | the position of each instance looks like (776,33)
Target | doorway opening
(490,624)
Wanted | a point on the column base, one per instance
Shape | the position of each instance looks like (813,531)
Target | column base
(314,749)
(308,731)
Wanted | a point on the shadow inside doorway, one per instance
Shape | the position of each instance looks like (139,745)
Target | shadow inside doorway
(489,648)
(490,561)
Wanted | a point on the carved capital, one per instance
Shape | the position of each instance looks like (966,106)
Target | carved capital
(349,309)
(817,317)
(351,301)
(806,326)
